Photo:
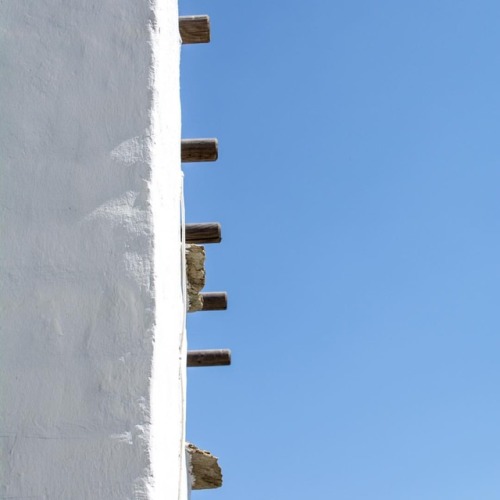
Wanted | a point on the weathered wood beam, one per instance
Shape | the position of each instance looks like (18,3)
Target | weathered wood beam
(212,357)
(207,232)
(194,29)
(214,301)
(195,150)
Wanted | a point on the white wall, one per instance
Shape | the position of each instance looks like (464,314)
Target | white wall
(91,309)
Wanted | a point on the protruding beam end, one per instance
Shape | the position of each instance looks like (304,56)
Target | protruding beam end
(194,29)
(197,150)
(212,357)
(207,232)
(214,301)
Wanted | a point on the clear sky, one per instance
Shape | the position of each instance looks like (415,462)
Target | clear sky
(358,189)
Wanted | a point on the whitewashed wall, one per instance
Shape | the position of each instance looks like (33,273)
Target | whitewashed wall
(91,310)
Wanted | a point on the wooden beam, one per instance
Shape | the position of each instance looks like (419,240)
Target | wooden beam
(208,232)
(213,357)
(214,301)
(194,29)
(195,150)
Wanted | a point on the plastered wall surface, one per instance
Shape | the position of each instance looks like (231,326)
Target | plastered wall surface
(92,354)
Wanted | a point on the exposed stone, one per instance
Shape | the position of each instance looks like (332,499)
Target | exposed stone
(195,272)
(205,470)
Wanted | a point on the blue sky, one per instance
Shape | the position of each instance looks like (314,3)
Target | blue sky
(358,189)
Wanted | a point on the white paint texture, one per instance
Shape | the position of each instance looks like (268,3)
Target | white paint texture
(91,308)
